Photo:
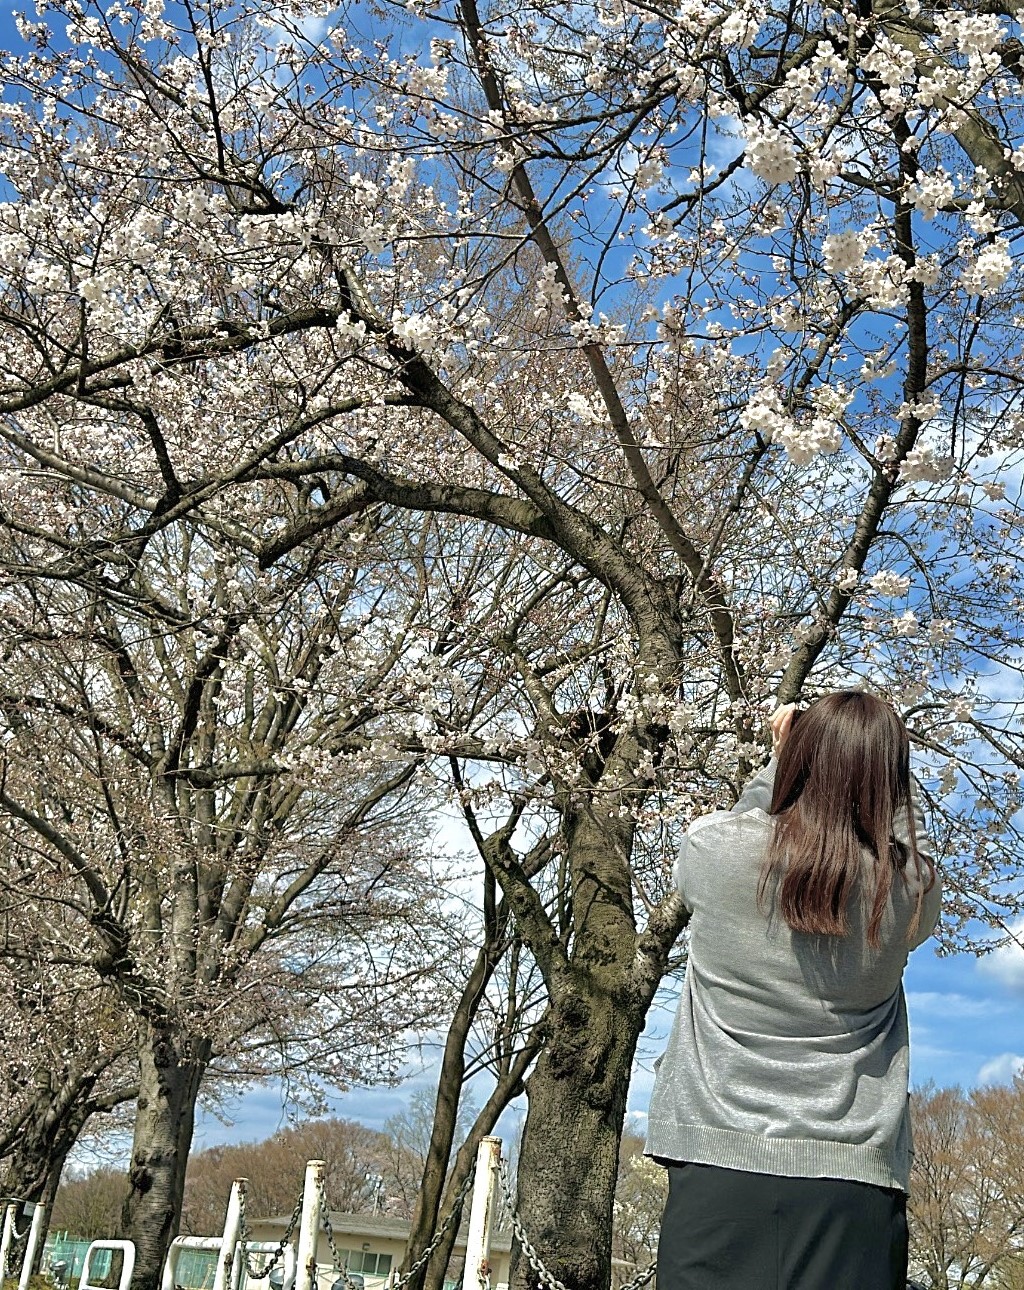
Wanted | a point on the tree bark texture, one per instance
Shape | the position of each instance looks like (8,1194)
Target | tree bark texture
(171,1069)
(568,1161)
(600,984)
(30,1168)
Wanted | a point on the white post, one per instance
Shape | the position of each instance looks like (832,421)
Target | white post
(309,1226)
(232,1228)
(167,1278)
(6,1239)
(478,1243)
(38,1215)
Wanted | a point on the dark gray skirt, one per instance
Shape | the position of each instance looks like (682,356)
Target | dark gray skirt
(725,1229)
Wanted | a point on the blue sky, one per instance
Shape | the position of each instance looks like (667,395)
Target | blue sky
(967,1024)
(966,1019)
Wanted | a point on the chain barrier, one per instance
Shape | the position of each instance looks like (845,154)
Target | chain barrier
(532,1257)
(641,1278)
(399,1281)
(454,1215)
(18,1202)
(245,1238)
(325,1222)
(545,1277)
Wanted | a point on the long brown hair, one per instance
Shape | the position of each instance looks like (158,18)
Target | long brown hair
(842,776)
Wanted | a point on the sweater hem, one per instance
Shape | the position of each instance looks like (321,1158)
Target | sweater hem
(788,1157)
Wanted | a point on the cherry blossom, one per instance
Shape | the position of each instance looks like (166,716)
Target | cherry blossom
(630,382)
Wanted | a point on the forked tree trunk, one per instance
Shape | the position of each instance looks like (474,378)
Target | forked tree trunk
(509,1085)
(446,1108)
(451,1080)
(171,1068)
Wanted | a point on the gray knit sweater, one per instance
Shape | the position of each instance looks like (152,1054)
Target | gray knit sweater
(789,1052)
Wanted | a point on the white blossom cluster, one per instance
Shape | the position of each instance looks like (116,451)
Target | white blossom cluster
(803,442)
(923,464)
(930,193)
(770,154)
(741,27)
(990,269)
(844,252)
(888,583)
(548,292)
(803,438)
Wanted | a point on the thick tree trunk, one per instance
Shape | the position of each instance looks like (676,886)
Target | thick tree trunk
(568,1161)
(599,994)
(171,1068)
(31,1168)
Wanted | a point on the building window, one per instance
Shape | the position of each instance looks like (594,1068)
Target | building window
(366,1262)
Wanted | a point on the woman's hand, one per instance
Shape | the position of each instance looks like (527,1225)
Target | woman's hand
(781,722)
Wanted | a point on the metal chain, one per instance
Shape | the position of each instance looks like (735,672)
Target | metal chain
(421,1262)
(325,1222)
(439,1236)
(532,1257)
(641,1278)
(245,1236)
(18,1202)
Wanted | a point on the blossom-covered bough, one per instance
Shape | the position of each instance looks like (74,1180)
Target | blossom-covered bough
(667,359)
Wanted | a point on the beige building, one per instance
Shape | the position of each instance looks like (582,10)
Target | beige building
(373,1245)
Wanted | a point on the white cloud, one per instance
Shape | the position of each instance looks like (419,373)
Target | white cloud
(1001,1069)
(1006,964)
(942,1004)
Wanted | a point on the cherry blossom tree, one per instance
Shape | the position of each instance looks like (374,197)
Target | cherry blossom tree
(189,830)
(667,358)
